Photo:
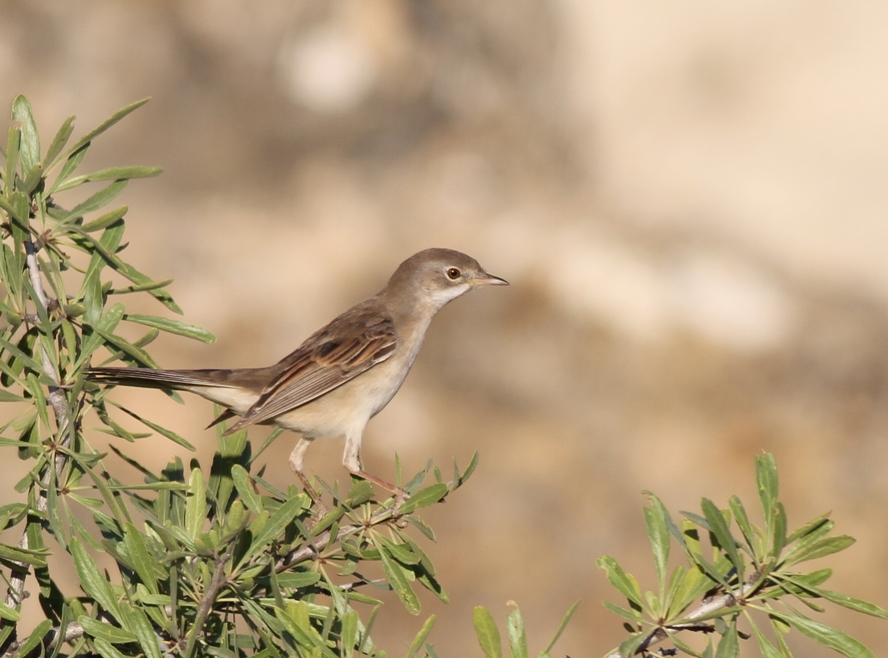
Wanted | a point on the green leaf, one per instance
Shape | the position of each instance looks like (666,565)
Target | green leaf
(139,355)
(425,497)
(170,434)
(32,178)
(106,632)
(92,580)
(820,548)
(767,649)
(631,615)
(743,523)
(139,556)
(825,635)
(729,645)
(105,220)
(101,198)
(30,140)
(142,287)
(275,526)
(515,633)
(244,487)
(778,538)
(397,578)
(658,532)
(416,645)
(694,582)
(722,533)
(297,579)
(625,583)
(112,173)
(349,633)
(21,356)
(487,632)
(35,638)
(59,141)
(144,633)
(9,613)
(173,327)
(106,650)
(768,487)
(466,474)
(401,552)
(196,504)
(6,396)
(852,603)
(72,161)
(811,527)
(21,555)
(13,143)
(117,116)
(629,646)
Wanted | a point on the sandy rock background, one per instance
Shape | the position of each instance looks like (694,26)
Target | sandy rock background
(689,200)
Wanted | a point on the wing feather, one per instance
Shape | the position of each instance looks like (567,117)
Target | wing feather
(347,347)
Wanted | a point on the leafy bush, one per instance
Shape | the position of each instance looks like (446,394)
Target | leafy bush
(755,571)
(212,561)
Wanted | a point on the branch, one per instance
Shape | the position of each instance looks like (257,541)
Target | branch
(206,604)
(73,631)
(314,548)
(59,403)
(708,607)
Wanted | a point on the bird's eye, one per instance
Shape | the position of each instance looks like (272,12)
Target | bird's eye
(453,273)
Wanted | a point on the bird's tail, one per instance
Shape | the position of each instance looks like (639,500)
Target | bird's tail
(150,378)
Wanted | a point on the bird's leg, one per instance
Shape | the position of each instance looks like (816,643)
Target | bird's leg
(296,464)
(352,461)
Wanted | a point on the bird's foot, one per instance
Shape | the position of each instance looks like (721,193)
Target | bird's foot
(320,508)
(399,494)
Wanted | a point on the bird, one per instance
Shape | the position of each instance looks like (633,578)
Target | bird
(343,374)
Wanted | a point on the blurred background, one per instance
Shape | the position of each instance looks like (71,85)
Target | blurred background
(688,198)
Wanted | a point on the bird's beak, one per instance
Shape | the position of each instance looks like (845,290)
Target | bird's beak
(485,279)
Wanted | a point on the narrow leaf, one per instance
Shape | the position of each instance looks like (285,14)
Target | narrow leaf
(275,526)
(825,635)
(416,645)
(107,632)
(244,487)
(92,580)
(515,633)
(59,141)
(625,583)
(487,632)
(723,534)
(425,497)
(30,140)
(173,327)
(658,533)
(394,573)
(196,504)
(117,116)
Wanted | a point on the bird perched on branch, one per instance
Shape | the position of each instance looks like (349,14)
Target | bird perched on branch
(344,373)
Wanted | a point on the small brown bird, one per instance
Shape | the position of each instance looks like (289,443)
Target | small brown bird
(344,373)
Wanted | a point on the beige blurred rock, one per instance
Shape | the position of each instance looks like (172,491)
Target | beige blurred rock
(688,199)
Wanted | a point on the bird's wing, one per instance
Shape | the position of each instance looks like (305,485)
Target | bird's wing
(350,345)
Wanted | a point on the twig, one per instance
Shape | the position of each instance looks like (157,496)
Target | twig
(59,403)
(73,631)
(206,604)
(320,543)
(705,609)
